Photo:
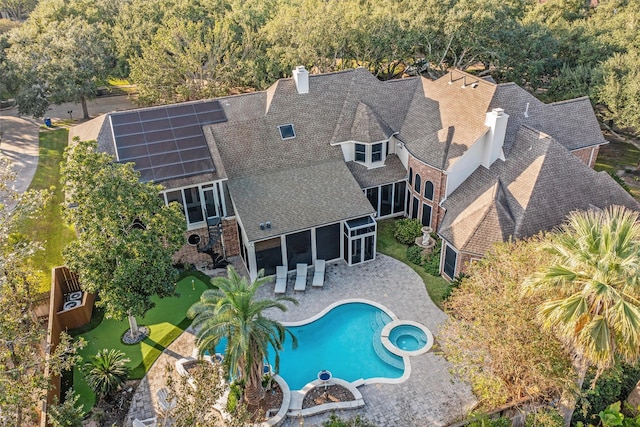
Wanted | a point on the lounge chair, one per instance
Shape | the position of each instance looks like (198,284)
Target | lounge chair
(318,274)
(281,279)
(149,422)
(163,400)
(301,277)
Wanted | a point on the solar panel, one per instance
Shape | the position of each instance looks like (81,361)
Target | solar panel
(166,142)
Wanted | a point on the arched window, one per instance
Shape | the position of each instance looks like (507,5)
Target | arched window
(410,176)
(428,190)
(417,184)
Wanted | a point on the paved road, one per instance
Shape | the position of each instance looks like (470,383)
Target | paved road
(19,135)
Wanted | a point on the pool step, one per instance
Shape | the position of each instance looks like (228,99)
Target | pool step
(384,354)
(378,320)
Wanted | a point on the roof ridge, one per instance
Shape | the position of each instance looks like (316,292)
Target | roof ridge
(568,101)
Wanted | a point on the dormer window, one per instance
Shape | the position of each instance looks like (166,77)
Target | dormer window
(361,153)
(369,155)
(376,152)
(287,132)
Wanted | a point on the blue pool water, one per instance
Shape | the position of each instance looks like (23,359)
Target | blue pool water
(345,341)
(408,337)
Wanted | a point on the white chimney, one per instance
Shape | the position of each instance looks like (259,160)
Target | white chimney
(497,122)
(301,77)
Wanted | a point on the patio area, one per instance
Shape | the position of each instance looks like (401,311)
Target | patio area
(430,397)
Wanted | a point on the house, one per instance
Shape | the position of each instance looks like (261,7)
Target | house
(303,170)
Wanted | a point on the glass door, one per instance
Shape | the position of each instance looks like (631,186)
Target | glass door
(210,202)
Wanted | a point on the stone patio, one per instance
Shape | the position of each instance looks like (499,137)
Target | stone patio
(430,397)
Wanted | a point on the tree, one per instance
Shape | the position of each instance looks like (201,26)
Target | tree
(591,289)
(620,91)
(106,372)
(66,414)
(232,311)
(128,235)
(57,59)
(492,337)
(22,359)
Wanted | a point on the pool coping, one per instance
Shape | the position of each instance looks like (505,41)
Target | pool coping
(297,398)
(386,342)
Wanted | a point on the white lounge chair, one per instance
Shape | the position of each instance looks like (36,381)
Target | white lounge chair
(301,277)
(281,279)
(318,274)
(163,400)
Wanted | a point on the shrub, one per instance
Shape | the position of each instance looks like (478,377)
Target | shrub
(544,417)
(66,414)
(486,421)
(106,371)
(407,230)
(414,254)
(357,421)
(432,261)
(235,392)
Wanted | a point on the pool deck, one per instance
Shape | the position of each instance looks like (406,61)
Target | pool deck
(431,396)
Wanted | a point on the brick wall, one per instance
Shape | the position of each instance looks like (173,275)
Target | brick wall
(428,173)
(230,237)
(584,154)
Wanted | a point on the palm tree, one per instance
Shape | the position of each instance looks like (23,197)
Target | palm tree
(106,371)
(593,287)
(231,311)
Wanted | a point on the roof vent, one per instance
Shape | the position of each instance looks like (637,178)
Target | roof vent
(301,78)
(526,111)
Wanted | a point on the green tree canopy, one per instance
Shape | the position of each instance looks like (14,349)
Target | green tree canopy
(57,58)
(232,311)
(127,234)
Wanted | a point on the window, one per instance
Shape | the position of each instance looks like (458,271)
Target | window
(328,242)
(398,197)
(376,152)
(410,176)
(268,255)
(426,215)
(428,190)
(360,153)
(414,208)
(386,199)
(287,132)
(299,248)
(372,195)
(450,257)
(417,184)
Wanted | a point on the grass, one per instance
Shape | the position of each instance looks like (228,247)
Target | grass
(48,227)
(437,287)
(618,156)
(166,321)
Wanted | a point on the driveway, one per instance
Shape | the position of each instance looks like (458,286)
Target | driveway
(19,135)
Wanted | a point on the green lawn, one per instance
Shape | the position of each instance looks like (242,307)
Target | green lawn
(166,321)
(49,227)
(387,244)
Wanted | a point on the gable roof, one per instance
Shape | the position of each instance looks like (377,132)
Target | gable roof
(297,199)
(572,123)
(538,185)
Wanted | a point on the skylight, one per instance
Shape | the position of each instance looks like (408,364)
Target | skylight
(287,132)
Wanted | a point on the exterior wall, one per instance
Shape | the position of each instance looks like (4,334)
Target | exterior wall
(439,179)
(588,155)
(464,260)
(189,253)
(467,163)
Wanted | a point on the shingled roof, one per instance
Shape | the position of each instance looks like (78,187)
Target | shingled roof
(538,185)
(572,123)
(297,199)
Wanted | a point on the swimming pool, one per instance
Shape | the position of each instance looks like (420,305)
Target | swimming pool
(345,341)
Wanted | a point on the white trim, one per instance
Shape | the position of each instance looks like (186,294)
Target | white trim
(443,255)
(591,156)
(115,146)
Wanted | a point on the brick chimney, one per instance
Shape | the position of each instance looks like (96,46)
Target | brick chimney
(301,77)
